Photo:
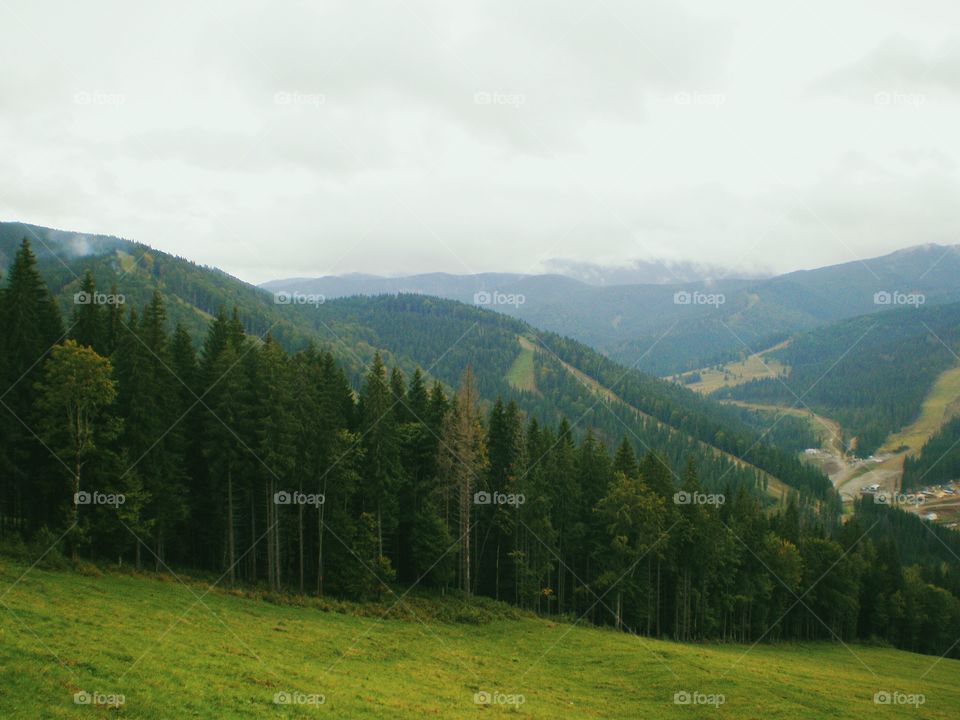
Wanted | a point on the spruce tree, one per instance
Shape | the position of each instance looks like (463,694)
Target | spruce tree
(87,323)
(382,468)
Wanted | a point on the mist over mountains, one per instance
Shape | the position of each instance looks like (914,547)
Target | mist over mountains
(648,272)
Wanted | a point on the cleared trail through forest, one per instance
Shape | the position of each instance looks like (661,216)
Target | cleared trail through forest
(850,474)
(775,487)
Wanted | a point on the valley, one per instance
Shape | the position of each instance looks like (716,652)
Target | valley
(836,457)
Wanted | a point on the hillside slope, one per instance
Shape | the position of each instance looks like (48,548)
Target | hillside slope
(174,648)
(445,337)
(441,336)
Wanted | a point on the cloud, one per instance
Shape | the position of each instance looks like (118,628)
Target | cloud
(898,70)
(518,74)
(646,271)
(402,137)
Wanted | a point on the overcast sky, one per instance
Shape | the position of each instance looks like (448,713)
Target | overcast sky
(277,138)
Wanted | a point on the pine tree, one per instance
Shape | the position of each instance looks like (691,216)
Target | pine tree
(382,470)
(625,460)
(429,553)
(224,409)
(162,469)
(276,438)
(87,323)
(567,512)
(505,444)
(594,475)
(462,461)
(111,328)
(632,517)
(30,326)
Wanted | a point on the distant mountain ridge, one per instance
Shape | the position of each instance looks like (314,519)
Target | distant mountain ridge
(670,327)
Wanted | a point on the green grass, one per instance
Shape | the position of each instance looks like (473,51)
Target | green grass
(754,367)
(172,656)
(521,374)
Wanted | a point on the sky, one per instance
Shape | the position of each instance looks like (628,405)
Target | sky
(277,139)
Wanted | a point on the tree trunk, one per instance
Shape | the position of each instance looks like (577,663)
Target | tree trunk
(465,534)
(74,550)
(300,542)
(158,554)
(496,592)
(253,537)
(231,546)
(320,513)
(379,529)
(276,540)
(271,509)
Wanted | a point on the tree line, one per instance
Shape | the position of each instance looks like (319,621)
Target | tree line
(122,441)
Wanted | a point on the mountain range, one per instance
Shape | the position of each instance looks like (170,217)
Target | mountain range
(670,327)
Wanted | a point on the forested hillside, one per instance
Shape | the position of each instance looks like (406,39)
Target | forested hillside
(938,461)
(445,337)
(625,321)
(440,336)
(123,440)
(870,373)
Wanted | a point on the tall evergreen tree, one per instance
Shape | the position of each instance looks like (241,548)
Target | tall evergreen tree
(30,325)
(87,323)
(382,470)
(463,459)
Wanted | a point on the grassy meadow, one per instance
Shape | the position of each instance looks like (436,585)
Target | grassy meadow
(753,367)
(176,648)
